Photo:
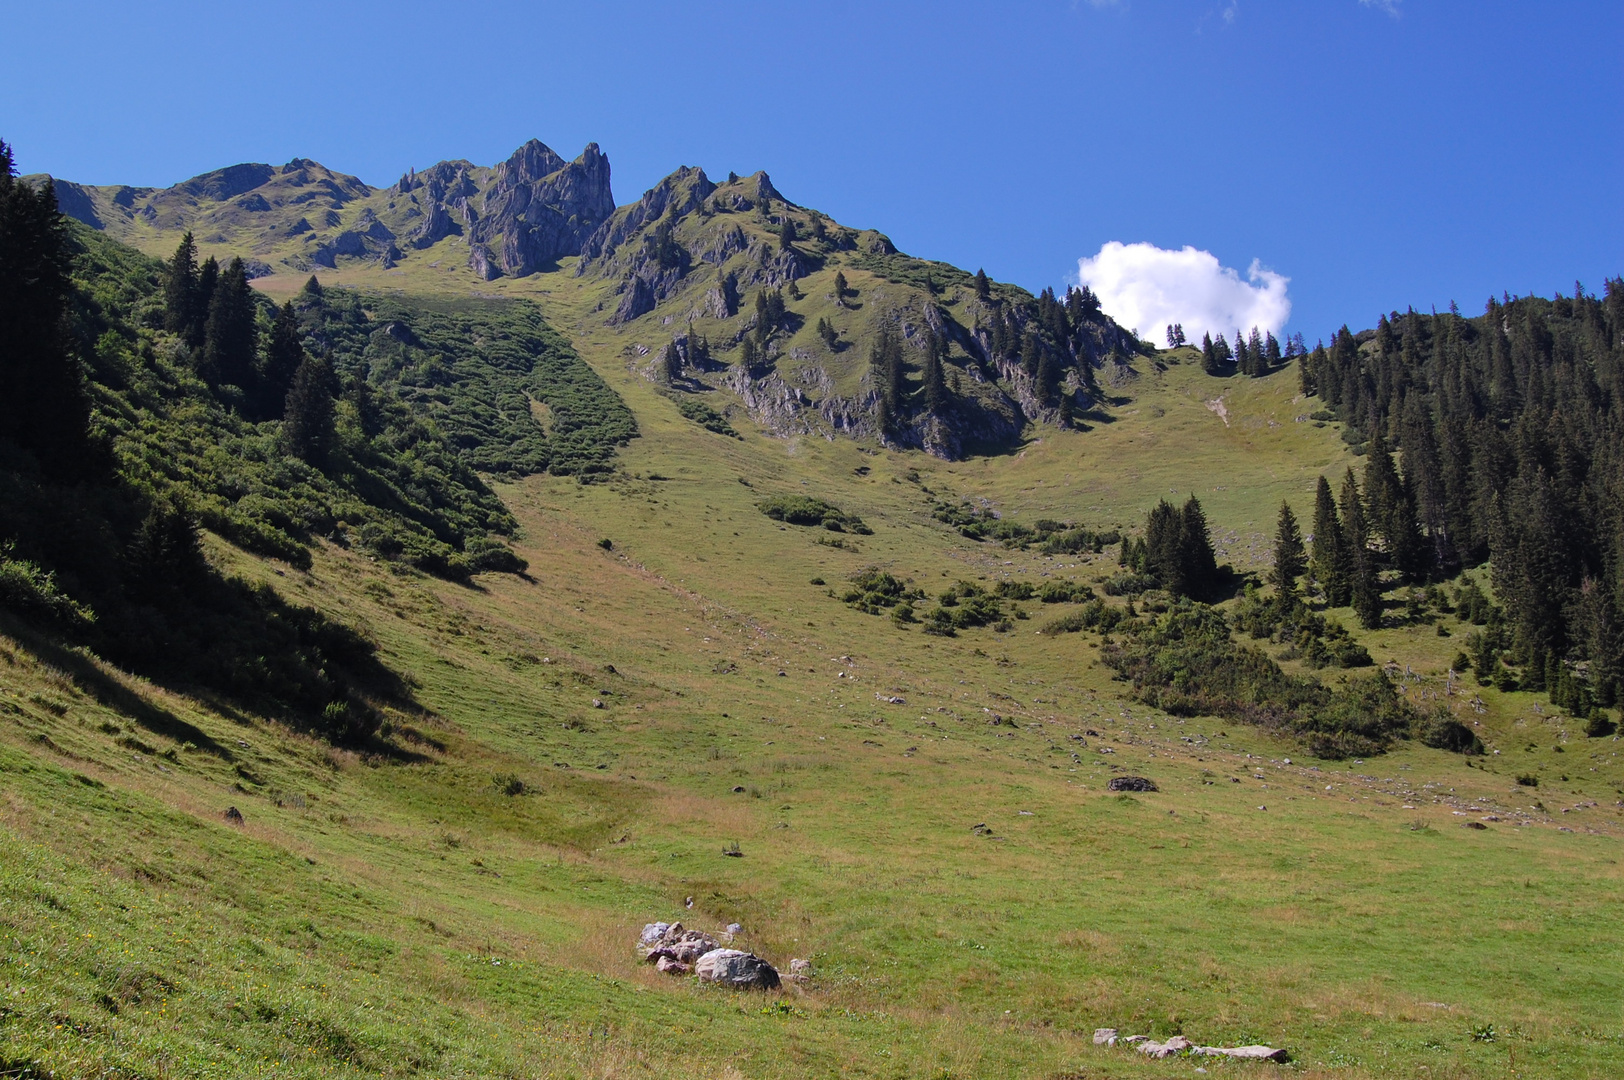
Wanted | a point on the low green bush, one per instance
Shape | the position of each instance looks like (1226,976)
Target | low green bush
(806,510)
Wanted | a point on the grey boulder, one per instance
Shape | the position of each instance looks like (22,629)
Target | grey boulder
(738,969)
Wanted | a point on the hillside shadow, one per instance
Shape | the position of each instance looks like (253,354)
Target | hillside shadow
(107,691)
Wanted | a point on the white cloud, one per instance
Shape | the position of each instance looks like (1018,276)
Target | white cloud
(1389,6)
(1145,288)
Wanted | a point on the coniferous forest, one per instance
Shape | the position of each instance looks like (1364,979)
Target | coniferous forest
(1497,439)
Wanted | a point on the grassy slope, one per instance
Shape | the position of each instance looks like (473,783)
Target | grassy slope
(407,917)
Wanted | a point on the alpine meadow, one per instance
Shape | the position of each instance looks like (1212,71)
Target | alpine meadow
(417,600)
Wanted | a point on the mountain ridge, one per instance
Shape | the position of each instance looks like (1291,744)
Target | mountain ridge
(977,362)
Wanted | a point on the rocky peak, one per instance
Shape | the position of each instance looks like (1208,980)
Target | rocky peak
(764,187)
(679,194)
(529,163)
(539,209)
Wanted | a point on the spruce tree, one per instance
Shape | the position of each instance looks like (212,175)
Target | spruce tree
(180,289)
(786,234)
(1289,562)
(840,287)
(1031,354)
(1364,585)
(670,362)
(885,364)
(229,336)
(935,388)
(1049,376)
(1329,561)
(983,286)
(43,407)
(307,415)
(208,279)
(730,293)
(1271,354)
(1200,564)
(1163,541)
(284,352)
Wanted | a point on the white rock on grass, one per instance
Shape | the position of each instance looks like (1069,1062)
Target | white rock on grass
(736,968)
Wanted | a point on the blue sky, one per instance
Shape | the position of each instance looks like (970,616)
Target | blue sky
(1376,154)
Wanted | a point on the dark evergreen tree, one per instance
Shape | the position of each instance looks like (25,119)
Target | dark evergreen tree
(1031,354)
(307,415)
(1272,356)
(786,233)
(841,289)
(983,286)
(1390,510)
(284,352)
(827,332)
(229,337)
(1364,582)
(670,362)
(749,355)
(181,308)
(43,407)
(1178,549)
(208,279)
(1209,354)
(935,387)
(730,293)
(886,364)
(1200,564)
(1329,562)
(1289,561)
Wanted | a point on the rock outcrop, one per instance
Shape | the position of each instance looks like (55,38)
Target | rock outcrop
(676,950)
(538,208)
(1178,1044)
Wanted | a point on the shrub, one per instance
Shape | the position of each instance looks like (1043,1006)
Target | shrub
(1599,725)
(806,510)
(1129,584)
(1442,731)
(508,784)
(873,590)
(1186,664)
(1528,780)
(1064,592)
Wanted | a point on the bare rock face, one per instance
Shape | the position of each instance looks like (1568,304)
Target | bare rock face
(1131,783)
(638,299)
(679,194)
(539,208)
(738,969)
